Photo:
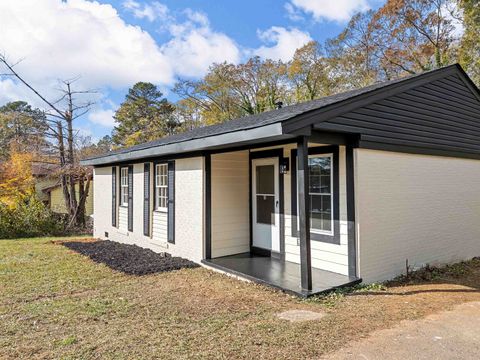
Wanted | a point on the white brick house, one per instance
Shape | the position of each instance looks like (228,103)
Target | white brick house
(311,196)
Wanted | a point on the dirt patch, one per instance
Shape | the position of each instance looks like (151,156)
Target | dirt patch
(129,259)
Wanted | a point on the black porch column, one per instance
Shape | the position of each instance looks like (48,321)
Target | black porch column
(304,213)
(208,206)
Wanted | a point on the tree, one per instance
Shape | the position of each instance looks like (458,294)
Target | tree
(353,53)
(16,179)
(60,117)
(414,35)
(469,52)
(144,116)
(311,73)
(23,127)
(228,91)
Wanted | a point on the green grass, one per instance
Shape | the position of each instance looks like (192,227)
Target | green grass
(55,303)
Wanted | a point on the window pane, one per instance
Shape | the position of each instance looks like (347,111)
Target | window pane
(325,184)
(266,209)
(320,212)
(265,176)
(315,184)
(319,165)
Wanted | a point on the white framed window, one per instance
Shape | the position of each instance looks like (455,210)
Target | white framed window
(321,193)
(161,187)
(124,186)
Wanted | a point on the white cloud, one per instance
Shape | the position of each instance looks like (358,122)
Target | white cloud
(195,46)
(337,10)
(285,42)
(79,38)
(293,13)
(150,11)
(102,117)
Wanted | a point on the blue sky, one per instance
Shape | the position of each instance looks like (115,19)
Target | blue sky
(112,44)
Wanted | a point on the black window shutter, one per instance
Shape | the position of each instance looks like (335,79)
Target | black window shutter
(114,196)
(146,199)
(155,200)
(171,202)
(130,198)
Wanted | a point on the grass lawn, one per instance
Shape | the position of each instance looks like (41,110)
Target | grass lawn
(55,303)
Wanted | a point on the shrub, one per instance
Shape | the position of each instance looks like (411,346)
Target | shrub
(28,217)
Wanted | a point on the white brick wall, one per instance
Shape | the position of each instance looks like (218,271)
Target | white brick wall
(422,208)
(189,210)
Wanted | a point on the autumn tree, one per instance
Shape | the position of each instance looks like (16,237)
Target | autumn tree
(61,114)
(414,35)
(16,179)
(353,53)
(469,52)
(145,115)
(22,127)
(228,91)
(312,73)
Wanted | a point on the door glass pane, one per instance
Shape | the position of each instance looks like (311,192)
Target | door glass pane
(265,176)
(265,209)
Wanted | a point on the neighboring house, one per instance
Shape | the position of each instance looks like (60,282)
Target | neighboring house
(311,196)
(42,173)
(57,203)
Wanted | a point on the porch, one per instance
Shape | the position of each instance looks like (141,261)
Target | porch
(261,210)
(279,274)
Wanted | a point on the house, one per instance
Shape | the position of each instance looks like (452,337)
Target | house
(56,200)
(42,173)
(354,186)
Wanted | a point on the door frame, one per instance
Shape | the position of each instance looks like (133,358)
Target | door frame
(278,153)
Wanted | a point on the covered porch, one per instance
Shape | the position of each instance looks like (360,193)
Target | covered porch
(266,223)
(280,274)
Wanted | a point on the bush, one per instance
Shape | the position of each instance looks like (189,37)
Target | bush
(28,217)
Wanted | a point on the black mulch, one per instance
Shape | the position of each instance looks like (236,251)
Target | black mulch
(130,259)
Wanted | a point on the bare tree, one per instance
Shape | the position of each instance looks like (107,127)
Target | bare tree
(61,114)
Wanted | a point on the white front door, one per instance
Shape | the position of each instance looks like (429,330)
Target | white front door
(265,204)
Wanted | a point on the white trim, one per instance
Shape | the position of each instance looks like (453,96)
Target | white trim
(317,231)
(266,236)
(240,137)
(123,186)
(161,183)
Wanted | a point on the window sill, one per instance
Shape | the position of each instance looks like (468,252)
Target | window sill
(160,211)
(123,206)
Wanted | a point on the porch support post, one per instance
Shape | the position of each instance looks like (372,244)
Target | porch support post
(304,213)
(208,206)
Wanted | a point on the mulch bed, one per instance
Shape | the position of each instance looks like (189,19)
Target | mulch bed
(129,259)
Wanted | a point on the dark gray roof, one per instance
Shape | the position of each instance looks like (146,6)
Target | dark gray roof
(265,118)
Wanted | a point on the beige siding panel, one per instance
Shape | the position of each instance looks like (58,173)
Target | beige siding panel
(230,203)
(422,208)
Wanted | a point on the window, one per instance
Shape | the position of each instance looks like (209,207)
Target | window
(124,186)
(161,187)
(321,193)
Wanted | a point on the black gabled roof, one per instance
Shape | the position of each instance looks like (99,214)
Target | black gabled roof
(285,114)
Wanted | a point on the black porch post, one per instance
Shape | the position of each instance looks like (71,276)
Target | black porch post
(304,213)
(208,206)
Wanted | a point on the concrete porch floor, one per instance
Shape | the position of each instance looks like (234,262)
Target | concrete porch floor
(283,275)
